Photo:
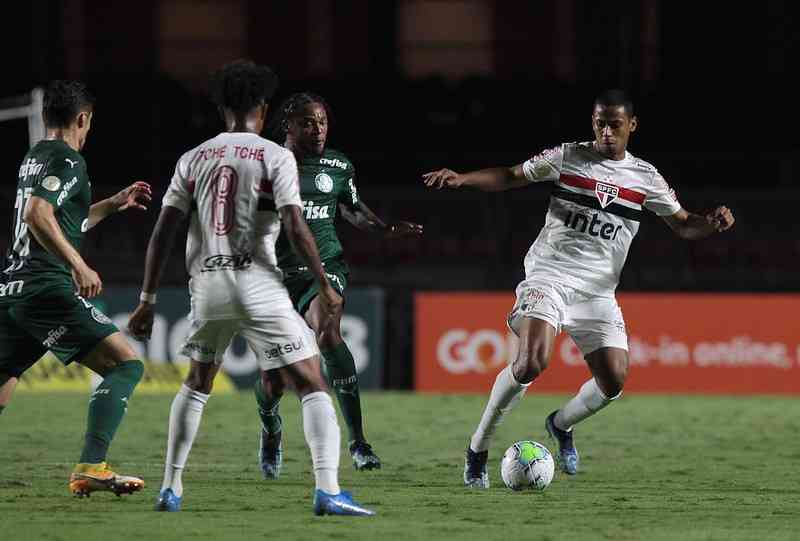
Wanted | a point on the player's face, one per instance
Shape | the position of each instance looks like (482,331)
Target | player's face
(612,128)
(310,128)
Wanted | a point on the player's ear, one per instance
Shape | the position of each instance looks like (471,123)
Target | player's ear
(83,119)
(634,124)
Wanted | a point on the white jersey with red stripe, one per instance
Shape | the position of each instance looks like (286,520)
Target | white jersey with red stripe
(594,213)
(233,185)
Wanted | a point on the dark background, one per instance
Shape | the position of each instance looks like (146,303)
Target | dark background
(418,85)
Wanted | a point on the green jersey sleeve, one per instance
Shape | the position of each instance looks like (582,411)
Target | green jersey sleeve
(63,179)
(348,196)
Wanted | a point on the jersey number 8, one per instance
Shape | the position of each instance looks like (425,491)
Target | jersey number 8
(223,193)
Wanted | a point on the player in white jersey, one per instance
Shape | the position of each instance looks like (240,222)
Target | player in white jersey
(237,188)
(573,267)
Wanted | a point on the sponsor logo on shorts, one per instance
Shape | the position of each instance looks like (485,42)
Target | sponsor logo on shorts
(227,262)
(198,348)
(277,350)
(11,288)
(606,193)
(99,316)
(324,183)
(530,299)
(53,336)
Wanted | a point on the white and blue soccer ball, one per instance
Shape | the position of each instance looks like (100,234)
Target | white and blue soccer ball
(527,465)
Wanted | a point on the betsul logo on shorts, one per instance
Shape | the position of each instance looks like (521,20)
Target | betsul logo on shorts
(279,350)
(480,351)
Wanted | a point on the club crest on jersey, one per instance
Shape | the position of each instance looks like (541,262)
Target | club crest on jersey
(324,183)
(606,193)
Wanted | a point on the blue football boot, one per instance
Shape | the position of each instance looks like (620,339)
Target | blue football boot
(339,504)
(568,457)
(168,501)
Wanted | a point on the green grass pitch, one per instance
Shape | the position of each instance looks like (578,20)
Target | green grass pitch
(653,467)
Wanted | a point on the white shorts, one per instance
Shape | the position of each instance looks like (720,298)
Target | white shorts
(258,311)
(592,321)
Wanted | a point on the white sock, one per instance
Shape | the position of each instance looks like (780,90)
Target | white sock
(323,439)
(506,393)
(184,420)
(589,400)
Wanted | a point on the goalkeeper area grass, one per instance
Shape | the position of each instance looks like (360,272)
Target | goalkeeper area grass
(653,467)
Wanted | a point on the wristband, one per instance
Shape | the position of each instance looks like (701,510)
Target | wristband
(149,298)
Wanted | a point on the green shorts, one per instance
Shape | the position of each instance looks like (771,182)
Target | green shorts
(303,288)
(55,319)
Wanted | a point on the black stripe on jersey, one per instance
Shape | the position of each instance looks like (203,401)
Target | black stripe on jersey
(592,202)
(266,204)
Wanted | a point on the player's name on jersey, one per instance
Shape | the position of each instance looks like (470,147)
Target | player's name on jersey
(241,152)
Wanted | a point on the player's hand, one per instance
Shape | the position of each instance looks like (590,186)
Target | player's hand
(332,302)
(140,325)
(443,178)
(721,219)
(87,281)
(403,229)
(136,196)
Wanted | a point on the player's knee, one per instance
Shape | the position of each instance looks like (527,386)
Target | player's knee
(273,388)
(329,337)
(200,380)
(528,366)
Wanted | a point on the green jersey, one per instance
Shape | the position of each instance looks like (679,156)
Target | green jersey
(53,171)
(325,182)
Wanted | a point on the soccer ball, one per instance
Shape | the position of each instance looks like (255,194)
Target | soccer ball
(527,465)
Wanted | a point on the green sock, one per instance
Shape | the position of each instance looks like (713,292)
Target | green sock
(106,408)
(268,409)
(340,369)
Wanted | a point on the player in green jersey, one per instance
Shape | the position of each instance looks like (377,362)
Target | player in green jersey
(327,187)
(45,284)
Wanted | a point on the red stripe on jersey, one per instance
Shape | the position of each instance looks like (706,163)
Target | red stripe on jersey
(590,184)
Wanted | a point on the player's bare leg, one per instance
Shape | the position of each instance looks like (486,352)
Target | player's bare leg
(340,368)
(536,339)
(7,386)
(269,389)
(184,421)
(609,367)
(115,360)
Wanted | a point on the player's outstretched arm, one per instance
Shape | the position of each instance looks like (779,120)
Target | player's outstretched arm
(493,179)
(158,249)
(41,220)
(364,219)
(694,226)
(136,196)
(302,241)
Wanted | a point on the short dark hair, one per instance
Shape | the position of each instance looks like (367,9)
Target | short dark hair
(242,85)
(63,101)
(291,107)
(615,98)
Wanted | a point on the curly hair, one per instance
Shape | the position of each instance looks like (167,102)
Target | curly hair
(293,106)
(242,85)
(63,101)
